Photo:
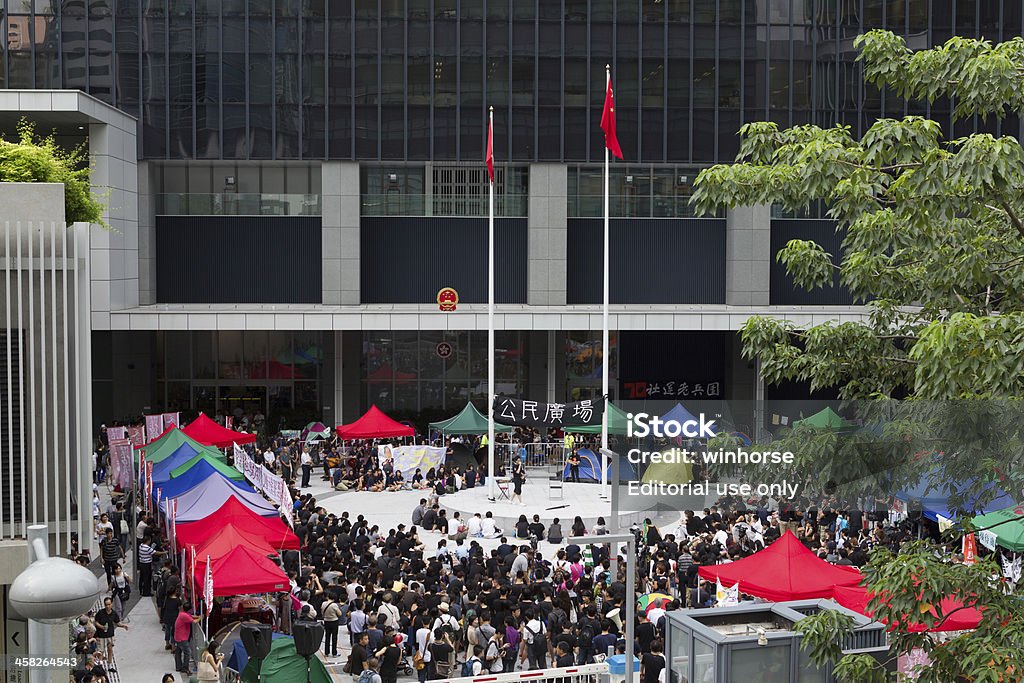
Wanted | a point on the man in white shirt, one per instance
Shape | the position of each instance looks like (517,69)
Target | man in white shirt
(475,527)
(307,467)
(268,458)
(489,528)
(444,619)
(536,636)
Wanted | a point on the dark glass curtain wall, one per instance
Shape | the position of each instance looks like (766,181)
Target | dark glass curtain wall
(411,79)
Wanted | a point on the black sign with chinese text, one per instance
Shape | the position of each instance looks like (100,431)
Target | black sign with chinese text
(516,412)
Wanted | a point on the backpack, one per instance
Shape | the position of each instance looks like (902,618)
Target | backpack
(556,621)
(540,640)
(586,633)
(467,668)
(367,676)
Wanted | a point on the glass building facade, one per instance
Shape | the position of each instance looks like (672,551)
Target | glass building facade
(412,79)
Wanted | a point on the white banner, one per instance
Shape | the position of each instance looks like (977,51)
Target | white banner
(988,539)
(726,597)
(407,459)
(272,486)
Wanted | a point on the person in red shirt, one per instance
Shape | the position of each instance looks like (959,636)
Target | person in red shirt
(183,638)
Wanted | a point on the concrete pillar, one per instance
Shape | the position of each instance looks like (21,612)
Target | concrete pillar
(547,238)
(537,380)
(748,255)
(112,153)
(349,399)
(340,230)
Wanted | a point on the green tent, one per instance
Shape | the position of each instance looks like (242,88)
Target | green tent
(1009,534)
(825,419)
(284,665)
(617,423)
(226,470)
(469,421)
(163,448)
(668,473)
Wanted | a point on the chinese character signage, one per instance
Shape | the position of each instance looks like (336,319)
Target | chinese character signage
(672,389)
(515,412)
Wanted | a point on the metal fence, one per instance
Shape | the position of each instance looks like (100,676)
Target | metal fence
(539,454)
(586,673)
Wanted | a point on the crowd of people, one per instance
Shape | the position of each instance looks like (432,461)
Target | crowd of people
(441,597)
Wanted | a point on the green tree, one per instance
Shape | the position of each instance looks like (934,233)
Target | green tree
(933,246)
(40,160)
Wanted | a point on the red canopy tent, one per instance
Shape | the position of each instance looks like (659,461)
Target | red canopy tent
(242,570)
(374,425)
(234,512)
(230,537)
(785,570)
(206,431)
(965,619)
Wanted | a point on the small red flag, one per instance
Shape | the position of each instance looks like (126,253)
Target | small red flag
(490,148)
(611,141)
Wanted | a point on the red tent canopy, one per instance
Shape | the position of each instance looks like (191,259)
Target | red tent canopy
(230,537)
(967,618)
(242,570)
(386,373)
(206,431)
(785,570)
(234,512)
(374,425)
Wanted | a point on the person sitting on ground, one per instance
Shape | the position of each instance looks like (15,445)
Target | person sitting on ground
(555,532)
(489,529)
(537,529)
(522,527)
(475,527)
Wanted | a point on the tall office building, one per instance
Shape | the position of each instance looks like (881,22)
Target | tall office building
(307,174)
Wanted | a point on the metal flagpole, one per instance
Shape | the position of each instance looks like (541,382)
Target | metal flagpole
(604,317)
(492,473)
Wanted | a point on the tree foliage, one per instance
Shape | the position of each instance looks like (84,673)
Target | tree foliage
(933,247)
(32,159)
(933,234)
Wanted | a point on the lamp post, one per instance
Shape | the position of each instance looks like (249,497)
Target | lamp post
(630,541)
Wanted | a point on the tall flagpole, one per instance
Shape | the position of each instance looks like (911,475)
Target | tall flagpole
(491,483)
(605,354)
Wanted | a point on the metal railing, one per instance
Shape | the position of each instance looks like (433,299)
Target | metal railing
(540,454)
(238,204)
(584,673)
(640,205)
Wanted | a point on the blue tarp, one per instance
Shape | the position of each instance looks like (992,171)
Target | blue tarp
(590,468)
(195,476)
(933,496)
(181,455)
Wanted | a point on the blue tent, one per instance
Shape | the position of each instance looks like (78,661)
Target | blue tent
(195,476)
(681,415)
(933,497)
(181,455)
(590,468)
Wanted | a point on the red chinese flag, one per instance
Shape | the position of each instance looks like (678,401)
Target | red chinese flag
(611,141)
(490,150)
